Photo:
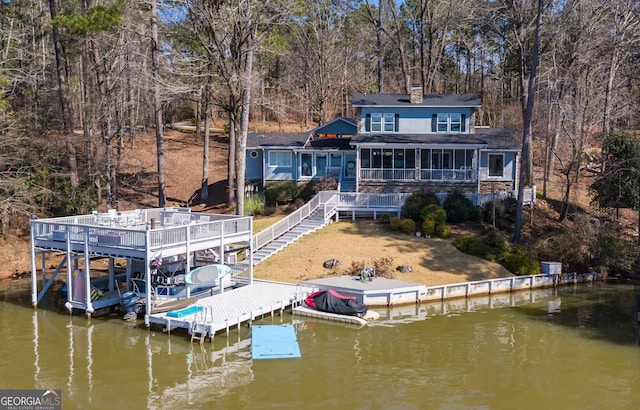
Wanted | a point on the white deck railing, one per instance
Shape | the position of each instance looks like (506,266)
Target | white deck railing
(129,230)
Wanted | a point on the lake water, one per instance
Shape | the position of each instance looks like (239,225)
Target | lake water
(571,348)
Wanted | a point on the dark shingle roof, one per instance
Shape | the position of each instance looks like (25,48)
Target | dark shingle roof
(340,125)
(490,138)
(288,140)
(428,100)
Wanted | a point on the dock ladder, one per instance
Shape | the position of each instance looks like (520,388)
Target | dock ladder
(199,327)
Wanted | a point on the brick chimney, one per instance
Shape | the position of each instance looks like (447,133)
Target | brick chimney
(416,94)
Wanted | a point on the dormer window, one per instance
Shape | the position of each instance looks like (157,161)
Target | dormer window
(382,122)
(448,123)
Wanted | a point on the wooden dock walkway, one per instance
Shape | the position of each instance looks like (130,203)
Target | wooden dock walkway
(233,307)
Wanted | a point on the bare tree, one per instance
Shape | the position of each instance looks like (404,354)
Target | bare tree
(527,113)
(157,104)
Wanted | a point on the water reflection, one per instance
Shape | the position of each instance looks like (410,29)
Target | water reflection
(568,347)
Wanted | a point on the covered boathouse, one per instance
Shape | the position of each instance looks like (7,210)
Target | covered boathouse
(141,238)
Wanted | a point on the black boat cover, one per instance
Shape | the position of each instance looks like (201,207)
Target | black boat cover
(333,302)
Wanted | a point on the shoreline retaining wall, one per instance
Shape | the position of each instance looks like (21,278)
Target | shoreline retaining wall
(502,285)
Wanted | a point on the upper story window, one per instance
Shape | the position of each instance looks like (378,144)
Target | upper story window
(381,122)
(448,122)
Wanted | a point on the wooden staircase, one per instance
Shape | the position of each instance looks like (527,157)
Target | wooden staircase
(315,221)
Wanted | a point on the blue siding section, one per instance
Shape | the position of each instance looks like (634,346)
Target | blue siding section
(281,173)
(509,166)
(415,120)
(254,164)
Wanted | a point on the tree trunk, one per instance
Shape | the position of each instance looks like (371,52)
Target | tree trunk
(67,117)
(527,115)
(231,189)
(241,144)
(204,188)
(157,105)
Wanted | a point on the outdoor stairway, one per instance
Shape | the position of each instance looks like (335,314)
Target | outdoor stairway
(314,222)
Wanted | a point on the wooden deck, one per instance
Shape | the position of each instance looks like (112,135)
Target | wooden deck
(234,307)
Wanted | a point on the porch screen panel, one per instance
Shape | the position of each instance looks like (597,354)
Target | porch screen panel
(387,158)
(425,159)
(398,158)
(410,159)
(365,158)
(376,158)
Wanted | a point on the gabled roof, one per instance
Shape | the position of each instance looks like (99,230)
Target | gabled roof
(339,125)
(428,100)
(488,138)
(281,140)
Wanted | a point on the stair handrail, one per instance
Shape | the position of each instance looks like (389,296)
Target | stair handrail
(268,235)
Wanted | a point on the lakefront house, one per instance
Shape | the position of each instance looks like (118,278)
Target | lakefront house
(396,143)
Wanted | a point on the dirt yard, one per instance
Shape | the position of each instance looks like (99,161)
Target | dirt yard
(433,261)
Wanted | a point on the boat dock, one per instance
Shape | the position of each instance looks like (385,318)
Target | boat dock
(229,309)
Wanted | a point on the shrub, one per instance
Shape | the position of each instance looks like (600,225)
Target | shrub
(254,204)
(504,213)
(516,261)
(476,214)
(611,253)
(434,212)
(428,227)
(416,202)
(385,219)
(459,208)
(383,266)
(497,241)
(443,231)
(394,222)
(307,191)
(473,245)
(356,268)
(408,226)
(279,193)
(298,203)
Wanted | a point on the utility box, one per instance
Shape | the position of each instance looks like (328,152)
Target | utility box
(551,268)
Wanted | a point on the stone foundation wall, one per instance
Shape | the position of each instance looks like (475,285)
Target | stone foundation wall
(488,187)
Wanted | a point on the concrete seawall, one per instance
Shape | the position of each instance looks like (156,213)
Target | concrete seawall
(502,285)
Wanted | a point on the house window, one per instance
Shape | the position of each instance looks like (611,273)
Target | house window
(306,162)
(496,165)
(279,158)
(383,122)
(321,164)
(448,122)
